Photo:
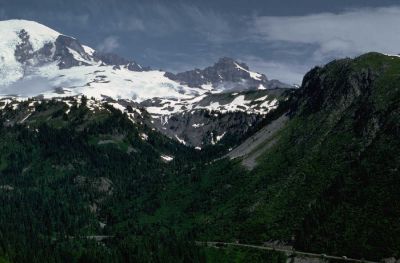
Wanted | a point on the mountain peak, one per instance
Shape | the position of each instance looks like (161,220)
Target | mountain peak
(227,60)
(38,33)
(226,74)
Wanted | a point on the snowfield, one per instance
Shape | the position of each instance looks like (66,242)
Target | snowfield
(39,62)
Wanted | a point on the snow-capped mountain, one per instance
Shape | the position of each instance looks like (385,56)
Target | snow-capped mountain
(226,74)
(37,61)
(31,53)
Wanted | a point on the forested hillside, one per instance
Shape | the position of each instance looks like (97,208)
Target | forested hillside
(93,186)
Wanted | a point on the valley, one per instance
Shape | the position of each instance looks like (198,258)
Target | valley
(111,161)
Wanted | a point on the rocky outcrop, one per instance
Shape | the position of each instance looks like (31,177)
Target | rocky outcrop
(64,45)
(214,118)
(117,61)
(201,128)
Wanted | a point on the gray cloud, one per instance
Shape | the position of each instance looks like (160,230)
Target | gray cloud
(335,35)
(2,14)
(288,72)
(71,19)
(211,25)
(109,44)
(180,35)
(131,24)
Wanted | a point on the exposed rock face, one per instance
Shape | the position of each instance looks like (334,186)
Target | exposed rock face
(61,50)
(113,59)
(216,117)
(349,88)
(64,45)
(322,92)
(24,50)
(200,128)
(25,54)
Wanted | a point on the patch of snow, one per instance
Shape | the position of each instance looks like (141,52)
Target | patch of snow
(15,106)
(77,56)
(198,125)
(144,136)
(219,137)
(261,87)
(253,75)
(393,55)
(270,104)
(262,98)
(180,140)
(212,139)
(166,158)
(207,87)
(117,106)
(88,50)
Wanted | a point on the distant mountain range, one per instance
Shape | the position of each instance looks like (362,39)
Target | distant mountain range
(36,61)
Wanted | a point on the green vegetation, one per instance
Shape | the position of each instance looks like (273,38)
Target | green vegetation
(329,185)
(237,255)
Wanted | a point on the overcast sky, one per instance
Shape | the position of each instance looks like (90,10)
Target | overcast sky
(282,39)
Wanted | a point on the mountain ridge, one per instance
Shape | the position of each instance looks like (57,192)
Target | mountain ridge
(45,63)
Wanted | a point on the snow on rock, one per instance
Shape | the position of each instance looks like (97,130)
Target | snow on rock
(144,136)
(261,87)
(253,75)
(198,125)
(180,140)
(270,104)
(239,103)
(166,158)
(219,137)
(117,106)
(88,50)
(262,98)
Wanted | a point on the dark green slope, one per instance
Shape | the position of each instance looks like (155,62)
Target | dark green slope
(329,184)
(357,209)
(332,180)
(63,176)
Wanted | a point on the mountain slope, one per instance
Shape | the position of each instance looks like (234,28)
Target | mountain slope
(36,61)
(329,180)
(328,184)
